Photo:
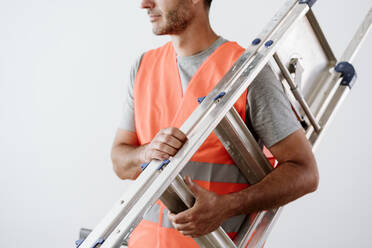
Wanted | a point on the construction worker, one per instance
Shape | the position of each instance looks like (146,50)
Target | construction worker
(163,90)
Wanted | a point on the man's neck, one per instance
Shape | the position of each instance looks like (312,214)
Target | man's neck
(197,37)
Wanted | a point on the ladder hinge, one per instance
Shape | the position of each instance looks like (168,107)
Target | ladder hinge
(347,73)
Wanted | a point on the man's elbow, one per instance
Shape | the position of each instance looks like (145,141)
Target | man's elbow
(119,169)
(312,177)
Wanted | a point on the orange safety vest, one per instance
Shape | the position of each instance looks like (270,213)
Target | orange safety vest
(159,103)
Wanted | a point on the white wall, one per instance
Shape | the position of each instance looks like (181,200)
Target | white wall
(63,65)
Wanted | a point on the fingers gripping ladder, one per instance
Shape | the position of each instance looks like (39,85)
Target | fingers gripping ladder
(324,84)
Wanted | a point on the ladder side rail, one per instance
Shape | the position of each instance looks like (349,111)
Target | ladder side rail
(247,231)
(328,115)
(258,237)
(358,38)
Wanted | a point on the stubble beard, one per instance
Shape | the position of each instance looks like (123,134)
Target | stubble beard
(176,20)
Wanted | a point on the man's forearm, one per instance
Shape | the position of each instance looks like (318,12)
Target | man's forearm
(286,183)
(127,160)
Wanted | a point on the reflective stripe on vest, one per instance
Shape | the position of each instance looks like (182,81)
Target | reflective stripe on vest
(160,103)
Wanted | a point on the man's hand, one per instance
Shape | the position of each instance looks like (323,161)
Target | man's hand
(207,214)
(127,155)
(166,143)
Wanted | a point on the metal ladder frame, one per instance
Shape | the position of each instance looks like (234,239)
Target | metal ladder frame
(216,113)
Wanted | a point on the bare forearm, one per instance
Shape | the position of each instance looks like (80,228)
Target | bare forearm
(127,160)
(286,183)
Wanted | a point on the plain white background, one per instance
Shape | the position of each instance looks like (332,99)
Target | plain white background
(63,67)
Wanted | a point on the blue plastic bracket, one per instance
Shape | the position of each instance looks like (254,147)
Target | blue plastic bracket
(347,72)
(78,242)
(269,43)
(308,2)
(98,242)
(164,163)
(143,166)
(256,41)
(219,96)
(201,99)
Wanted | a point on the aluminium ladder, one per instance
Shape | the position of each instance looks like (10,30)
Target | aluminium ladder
(316,83)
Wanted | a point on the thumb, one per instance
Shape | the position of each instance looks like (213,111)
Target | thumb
(195,188)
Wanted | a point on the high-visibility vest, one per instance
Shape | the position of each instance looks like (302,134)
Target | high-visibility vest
(159,102)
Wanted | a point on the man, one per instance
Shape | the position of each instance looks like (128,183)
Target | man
(165,83)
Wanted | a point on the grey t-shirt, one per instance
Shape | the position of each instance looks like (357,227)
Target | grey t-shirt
(269,116)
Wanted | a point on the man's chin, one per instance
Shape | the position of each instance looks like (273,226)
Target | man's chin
(157,31)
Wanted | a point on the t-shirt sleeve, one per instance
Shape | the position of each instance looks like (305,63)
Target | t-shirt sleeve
(127,113)
(269,113)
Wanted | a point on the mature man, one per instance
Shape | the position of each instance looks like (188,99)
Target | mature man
(163,91)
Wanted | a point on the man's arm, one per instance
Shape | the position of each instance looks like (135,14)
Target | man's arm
(127,155)
(295,176)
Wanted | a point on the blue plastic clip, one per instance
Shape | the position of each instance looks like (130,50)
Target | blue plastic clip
(269,43)
(201,99)
(347,72)
(98,242)
(143,166)
(256,41)
(308,2)
(219,96)
(164,163)
(79,242)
